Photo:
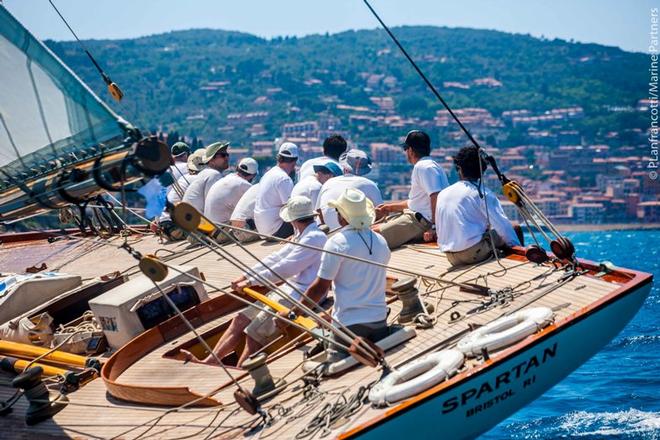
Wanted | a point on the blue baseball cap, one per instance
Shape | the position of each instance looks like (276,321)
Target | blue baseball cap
(329,168)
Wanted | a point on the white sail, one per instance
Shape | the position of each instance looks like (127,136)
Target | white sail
(46,111)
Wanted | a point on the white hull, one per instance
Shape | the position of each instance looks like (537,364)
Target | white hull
(475,405)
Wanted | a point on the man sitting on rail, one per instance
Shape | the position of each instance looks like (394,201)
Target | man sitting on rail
(216,159)
(359,286)
(296,264)
(462,221)
(226,192)
(274,191)
(416,219)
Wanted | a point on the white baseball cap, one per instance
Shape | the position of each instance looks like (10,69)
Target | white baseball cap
(248,165)
(288,149)
(296,208)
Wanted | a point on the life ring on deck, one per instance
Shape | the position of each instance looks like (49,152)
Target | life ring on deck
(505,331)
(416,377)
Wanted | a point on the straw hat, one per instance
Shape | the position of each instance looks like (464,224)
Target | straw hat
(355,207)
(213,149)
(296,208)
(195,160)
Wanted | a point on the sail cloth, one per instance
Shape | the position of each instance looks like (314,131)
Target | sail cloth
(46,112)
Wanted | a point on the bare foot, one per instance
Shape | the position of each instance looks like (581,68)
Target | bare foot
(189,357)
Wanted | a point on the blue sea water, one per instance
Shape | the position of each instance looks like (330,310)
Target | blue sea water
(616,394)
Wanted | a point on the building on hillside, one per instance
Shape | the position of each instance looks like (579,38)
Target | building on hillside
(587,213)
(649,212)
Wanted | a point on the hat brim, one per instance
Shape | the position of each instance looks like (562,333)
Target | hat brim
(206,158)
(288,217)
(358,220)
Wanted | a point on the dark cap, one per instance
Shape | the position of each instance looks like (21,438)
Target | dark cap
(417,140)
(180,148)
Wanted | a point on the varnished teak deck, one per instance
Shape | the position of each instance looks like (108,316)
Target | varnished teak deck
(94,414)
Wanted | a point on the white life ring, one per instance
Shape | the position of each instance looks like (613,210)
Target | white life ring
(416,377)
(506,330)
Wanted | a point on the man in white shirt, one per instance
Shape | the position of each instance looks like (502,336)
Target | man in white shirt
(226,192)
(174,192)
(216,159)
(462,221)
(417,219)
(333,147)
(243,215)
(355,163)
(296,264)
(274,191)
(359,287)
(310,186)
(180,152)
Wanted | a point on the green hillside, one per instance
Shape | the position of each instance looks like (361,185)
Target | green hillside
(165,77)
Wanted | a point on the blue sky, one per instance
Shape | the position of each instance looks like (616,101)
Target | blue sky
(611,22)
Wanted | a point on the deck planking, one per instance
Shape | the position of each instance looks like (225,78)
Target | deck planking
(115,418)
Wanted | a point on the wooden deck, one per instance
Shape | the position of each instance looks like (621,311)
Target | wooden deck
(94,414)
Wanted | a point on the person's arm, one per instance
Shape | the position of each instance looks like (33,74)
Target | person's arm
(500,223)
(434,201)
(314,293)
(387,208)
(289,261)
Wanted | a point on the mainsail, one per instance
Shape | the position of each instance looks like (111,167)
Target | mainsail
(46,111)
(59,143)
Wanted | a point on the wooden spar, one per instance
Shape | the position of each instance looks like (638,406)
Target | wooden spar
(19,365)
(16,349)
(301,320)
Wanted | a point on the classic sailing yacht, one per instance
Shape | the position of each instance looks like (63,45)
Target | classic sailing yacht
(470,345)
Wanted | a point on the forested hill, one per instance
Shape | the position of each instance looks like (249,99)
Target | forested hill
(191,80)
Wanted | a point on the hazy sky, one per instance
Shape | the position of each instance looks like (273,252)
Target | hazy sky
(623,23)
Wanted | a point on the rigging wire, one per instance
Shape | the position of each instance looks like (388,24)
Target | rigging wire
(113,88)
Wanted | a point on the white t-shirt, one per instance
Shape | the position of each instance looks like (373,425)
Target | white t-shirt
(199,188)
(244,209)
(308,187)
(223,197)
(333,188)
(307,168)
(359,287)
(179,169)
(173,195)
(460,217)
(274,191)
(427,178)
(296,264)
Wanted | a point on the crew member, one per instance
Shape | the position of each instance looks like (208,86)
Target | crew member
(333,147)
(462,222)
(296,264)
(180,152)
(355,164)
(216,159)
(359,287)
(416,220)
(274,191)
(310,186)
(243,215)
(226,192)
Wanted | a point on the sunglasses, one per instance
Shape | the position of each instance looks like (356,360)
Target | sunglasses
(223,154)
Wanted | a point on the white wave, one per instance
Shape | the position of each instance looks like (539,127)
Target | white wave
(632,422)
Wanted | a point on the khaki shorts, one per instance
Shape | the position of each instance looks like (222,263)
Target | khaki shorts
(475,253)
(404,228)
(263,326)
